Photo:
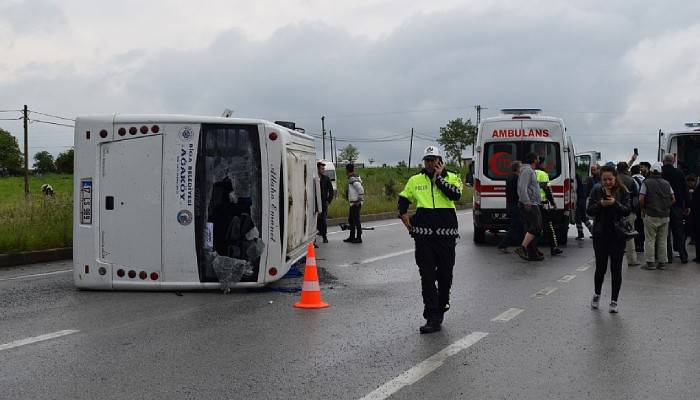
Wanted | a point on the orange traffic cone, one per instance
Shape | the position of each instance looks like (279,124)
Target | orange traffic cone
(311,290)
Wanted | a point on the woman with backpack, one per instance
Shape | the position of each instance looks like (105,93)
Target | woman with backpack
(609,204)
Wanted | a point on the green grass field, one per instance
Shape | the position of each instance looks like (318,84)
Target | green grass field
(38,223)
(382,187)
(41,223)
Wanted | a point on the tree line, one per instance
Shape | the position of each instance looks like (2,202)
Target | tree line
(12,159)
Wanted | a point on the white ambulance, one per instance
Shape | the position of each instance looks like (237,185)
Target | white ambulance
(584,160)
(506,138)
(684,144)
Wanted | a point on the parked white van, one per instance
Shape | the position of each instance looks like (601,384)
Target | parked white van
(506,138)
(684,144)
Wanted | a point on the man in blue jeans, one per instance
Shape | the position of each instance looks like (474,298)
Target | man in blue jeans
(515,230)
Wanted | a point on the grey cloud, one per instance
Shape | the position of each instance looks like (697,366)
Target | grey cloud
(438,65)
(32,17)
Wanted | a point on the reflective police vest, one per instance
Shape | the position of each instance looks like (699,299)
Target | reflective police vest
(434,199)
(542,178)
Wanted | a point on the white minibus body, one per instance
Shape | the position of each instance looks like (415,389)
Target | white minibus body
(173,202)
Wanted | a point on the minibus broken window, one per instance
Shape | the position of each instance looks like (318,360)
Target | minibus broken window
(228,215)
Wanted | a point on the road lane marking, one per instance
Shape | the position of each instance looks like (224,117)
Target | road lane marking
(421,370)
(391,224)
(545,292)
(508,315)
(373,259)
(583,268)
(14,278)
(566,278)
(48,336)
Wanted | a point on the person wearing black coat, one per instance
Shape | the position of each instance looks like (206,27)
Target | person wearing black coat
(326,198)
(609,202)
(676,231)
(695,219)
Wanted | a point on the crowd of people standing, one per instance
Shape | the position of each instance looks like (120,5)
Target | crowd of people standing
(628,210)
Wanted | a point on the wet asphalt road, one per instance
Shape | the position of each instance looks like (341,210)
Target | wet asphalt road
(254,345)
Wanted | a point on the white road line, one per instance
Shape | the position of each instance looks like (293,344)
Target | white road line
(583,268)
(373,259)
(391,224)
(14,278)
(566,278)
(508,315)
(418,372)
(545,292)
(48,336)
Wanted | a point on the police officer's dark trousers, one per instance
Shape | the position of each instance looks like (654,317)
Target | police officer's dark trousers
(435,257)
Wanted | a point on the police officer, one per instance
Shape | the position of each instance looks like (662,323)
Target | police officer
(548,205)
(434,229)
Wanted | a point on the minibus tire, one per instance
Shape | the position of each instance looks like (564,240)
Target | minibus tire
(479,235)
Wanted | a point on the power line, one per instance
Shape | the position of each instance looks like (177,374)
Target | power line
(6,111)
(52,116)
(10,119)
(51,123)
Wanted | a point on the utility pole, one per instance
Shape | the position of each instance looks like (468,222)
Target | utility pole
(334,149)
(323,135)
(330,135)
(478,121)
(410,149)
(26,152)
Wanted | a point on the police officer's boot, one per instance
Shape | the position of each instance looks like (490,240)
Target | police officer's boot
(430,326)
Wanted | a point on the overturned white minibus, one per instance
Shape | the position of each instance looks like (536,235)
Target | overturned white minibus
(177,202)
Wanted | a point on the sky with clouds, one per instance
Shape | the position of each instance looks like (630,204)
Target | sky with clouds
(616,71)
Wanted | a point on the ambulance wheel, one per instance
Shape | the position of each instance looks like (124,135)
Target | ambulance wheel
(479,235)
(563,234)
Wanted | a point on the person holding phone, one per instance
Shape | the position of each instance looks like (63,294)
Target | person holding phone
(434,229)
(609,202)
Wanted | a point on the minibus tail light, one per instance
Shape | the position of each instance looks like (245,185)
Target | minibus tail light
(272,136)
(567,194)
(272,271)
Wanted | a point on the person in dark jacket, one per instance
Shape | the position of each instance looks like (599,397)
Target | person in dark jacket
(581,217)
(623,175)
(608,203)
(515,230)
(689,219)
(326,198)
(636,173)
(695,220)
(680,208)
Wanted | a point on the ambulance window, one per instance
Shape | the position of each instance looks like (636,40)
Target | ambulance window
(583,166)
(550,152)
(499,157)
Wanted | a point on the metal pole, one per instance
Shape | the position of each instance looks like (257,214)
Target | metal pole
(26,153)
(410,149)
(658,151)
(323,135)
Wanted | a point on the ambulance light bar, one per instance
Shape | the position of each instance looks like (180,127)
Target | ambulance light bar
(521,111)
